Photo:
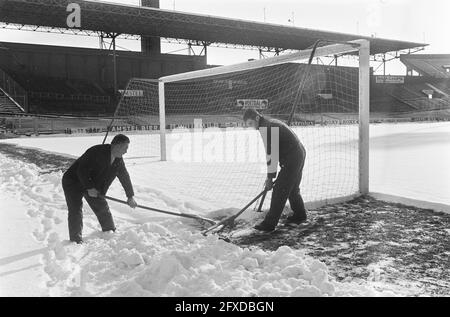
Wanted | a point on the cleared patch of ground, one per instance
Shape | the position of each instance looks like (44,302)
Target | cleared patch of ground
(371,239)
(47,162)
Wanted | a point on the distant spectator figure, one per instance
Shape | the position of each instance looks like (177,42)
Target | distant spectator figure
(291,157)
(90,177)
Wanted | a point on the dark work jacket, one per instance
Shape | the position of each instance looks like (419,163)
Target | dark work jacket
(290,150)
(94,170)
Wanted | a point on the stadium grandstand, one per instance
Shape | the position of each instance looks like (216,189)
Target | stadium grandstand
(85,82)
(428,65)
(425,88)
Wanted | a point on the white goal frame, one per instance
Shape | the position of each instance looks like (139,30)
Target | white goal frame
(362,47)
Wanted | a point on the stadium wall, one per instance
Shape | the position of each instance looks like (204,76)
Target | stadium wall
(94,64)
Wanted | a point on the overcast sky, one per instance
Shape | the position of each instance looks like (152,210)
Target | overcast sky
(421,21)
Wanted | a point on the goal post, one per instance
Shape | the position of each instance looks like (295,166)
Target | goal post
(162,120)
(364,115)
(360,46)
(198,115)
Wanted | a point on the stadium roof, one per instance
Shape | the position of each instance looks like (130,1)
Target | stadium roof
(136,20)
(434,65)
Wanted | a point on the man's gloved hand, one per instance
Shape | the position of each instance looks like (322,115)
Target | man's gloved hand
(269,184)
(92,192)
(131,202)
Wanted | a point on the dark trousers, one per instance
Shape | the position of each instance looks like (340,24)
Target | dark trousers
(74,199)
(287,186)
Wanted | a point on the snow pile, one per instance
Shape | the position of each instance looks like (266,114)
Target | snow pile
(172,261)
(156,256)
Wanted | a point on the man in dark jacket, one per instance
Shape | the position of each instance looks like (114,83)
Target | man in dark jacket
(90,177)
(282,146)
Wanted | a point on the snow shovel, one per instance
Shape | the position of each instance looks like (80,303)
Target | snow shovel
(202,220)
(261,202)
(229,220)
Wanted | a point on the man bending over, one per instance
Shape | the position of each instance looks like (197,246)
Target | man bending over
(90,177)
(291,157)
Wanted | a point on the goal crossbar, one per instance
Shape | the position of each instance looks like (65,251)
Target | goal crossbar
(333,49)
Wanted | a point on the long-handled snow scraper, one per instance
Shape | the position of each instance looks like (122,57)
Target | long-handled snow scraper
(261,202)
(230,220)
(202,220)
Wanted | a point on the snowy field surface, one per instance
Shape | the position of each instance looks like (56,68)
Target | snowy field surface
(152,255)
(407,159)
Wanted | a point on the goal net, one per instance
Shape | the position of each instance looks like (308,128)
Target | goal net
(188,127)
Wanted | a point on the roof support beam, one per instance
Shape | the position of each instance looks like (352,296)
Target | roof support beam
(153,22)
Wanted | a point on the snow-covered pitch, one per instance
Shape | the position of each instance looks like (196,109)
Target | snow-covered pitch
(155,255)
